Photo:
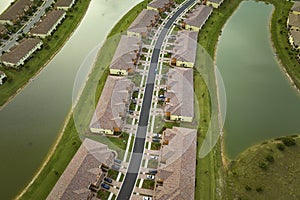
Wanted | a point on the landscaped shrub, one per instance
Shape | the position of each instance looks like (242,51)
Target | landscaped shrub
(270,158)
(288,141)
(280,146)
(263,165)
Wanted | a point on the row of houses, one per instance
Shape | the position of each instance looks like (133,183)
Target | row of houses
(24,49)
(293,24)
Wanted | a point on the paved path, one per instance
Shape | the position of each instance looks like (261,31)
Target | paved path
(139,143)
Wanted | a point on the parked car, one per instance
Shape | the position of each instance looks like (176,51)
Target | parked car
(153,171)
(147,198)
(115,167)
(118,161)
(105,186)
(108,180)
(156,135)
(153,157)
(155,140)
(150,177)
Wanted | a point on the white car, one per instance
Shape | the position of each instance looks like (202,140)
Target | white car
(153,157)
(156,135)
(147,198)
(150,177)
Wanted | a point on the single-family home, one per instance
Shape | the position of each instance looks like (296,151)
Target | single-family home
(176,173)
(2,77)
(108,117)
(143,23)
(214,3)
(197,18)
(48,23)
(3,30)
(19,53)
(179,95)
(296,8)
(160,5)
(126,56)
(184,50)
(83,174)
(64,4)
(17,10)
(293,22)
(294,38)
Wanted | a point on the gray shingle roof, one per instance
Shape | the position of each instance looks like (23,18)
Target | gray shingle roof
(294,20)
(158,3)
(19,51)
(47,22)
(16,10)
(180,90)
(185,46)
(144,19)
(296,37)
(198,16)
(126,52)
(111,105)
(296,7)
(64,3)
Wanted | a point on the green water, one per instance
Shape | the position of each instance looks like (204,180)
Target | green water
(261,104)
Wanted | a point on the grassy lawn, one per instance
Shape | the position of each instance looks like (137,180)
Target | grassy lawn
(17,78)
(70,141)
(266,171)
(148,184)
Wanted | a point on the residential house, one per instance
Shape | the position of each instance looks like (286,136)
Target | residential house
(293,22)
(111,108)
(19,53)
(180,95)
(3,30)
(17,10)
(160,5)
(294,38)
(48,23)
(214,3)
(64,4)
(83,172)
(185,48)
(143,23)
(177,171)
(197,18)
(2,77)
(126,55)
(296,8)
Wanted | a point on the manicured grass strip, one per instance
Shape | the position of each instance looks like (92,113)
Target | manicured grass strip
(17,79)
(70,141)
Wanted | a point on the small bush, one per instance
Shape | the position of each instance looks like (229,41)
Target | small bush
(263,165)
(288,141)
(270,158)
(248,188)
(259,189)
(280,146)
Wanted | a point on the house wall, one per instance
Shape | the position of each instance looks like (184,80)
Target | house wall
(118,72)
(130,33)
(192,28)
(105,131)
(291,40)
(151,8)
(1,78)
(213,4)
(184,64)
(296,12)
(182,118)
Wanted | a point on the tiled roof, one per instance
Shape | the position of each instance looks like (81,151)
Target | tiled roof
(144,19)
(64,3)
(16,10)
(111,105)
(180,91)
(294,20)
(158,3)
(47,22)
(178,167)
(82,171)
(296,7)
(126,52)
(198,16)
(296,37)
(185,46)
(19,51)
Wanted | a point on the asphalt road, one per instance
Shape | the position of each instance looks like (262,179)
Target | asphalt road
(139,143)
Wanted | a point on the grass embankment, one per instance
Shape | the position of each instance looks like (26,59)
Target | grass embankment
(208,169)
(70,141)
(18,78)
(279,34)
(266,171)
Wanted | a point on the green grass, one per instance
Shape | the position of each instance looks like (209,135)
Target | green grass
(17,78)
(148,184)
(70,141)
(247,179)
